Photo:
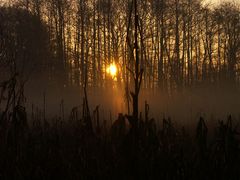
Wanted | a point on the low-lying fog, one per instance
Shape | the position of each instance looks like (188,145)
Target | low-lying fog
(183,107)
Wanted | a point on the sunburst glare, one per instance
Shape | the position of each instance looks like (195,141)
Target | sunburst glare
(112,70)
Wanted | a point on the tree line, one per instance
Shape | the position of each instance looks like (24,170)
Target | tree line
(182,43)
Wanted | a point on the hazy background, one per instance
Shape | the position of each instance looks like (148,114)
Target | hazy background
(211,101)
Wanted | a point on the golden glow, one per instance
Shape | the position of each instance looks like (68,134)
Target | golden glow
(112,70)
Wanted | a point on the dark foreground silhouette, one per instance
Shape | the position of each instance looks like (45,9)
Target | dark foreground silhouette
(83,148)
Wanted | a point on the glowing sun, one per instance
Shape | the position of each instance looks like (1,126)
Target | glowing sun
(112,70)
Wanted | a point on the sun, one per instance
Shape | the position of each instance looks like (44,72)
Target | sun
(112,70)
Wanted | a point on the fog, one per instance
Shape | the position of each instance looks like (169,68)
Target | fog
(185,107)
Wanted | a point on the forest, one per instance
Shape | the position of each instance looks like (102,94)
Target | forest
(182,42)
(119,89)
